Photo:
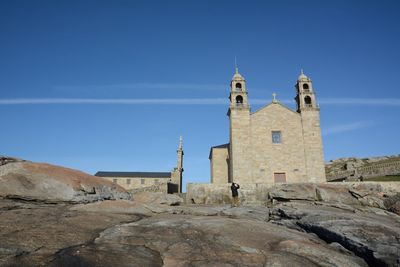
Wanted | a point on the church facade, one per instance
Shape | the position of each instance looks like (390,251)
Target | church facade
(275,144)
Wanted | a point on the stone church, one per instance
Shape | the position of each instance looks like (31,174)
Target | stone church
(168,182)
(275,144)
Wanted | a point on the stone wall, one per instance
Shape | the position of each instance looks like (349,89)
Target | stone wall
(313,146)
(221,194)
(161,187)
(367,170)
(240,158)
(219,165)
(383,168)
(205,193)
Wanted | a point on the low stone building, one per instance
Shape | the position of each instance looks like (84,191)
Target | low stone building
(272,145)
(169,182)
(136,180)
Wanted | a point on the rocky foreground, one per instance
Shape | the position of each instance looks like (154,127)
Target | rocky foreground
(104,227)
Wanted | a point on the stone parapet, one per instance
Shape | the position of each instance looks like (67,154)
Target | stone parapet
(259,193)
(205,193)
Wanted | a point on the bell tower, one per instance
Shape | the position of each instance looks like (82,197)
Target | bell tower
(239,118)
(238,95)
(309,111)
(305,98)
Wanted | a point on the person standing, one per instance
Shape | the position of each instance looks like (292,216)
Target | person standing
(235,194)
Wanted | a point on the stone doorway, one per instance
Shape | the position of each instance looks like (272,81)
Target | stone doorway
(279,177)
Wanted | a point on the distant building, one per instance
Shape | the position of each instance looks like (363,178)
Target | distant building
(272,145)
(170,182)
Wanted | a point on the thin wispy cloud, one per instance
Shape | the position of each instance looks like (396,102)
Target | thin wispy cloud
(336,129)
(143,86)
(389,102)
(131,101)
(361,101)
(224,87)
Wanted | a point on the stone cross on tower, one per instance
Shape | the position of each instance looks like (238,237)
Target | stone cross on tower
(180,143)
(236,67)
(274,100)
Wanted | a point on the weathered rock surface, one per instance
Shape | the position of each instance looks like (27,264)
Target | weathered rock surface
(45,182)
(259,213)
(361,194)
(4,160)
(337,194)
(302,191)
(395,208)
(42,225)
(65,235)
(179,240)
(372,234)
(32,233)
(158,198)
(392,203)
(105,233)
(148,209)
(114,206)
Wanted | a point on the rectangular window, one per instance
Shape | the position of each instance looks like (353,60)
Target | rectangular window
(141,181)
(128,181)
(276,137)
(155,181)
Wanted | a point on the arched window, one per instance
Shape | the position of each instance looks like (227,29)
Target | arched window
(306,87)
(307,100)
(238,85)
(239,99)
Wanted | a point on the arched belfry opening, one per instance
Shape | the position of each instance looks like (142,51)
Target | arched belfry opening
(306,87)
(239,99)
(307,100)
(238,86)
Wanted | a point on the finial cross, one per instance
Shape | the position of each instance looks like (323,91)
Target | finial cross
(236,67)
(274,97)
(180,142)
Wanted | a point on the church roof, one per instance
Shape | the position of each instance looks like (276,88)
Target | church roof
(219,146)
(237,75)
(134,174)
(302,76)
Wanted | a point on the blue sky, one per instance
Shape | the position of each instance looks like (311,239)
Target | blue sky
(111,85)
